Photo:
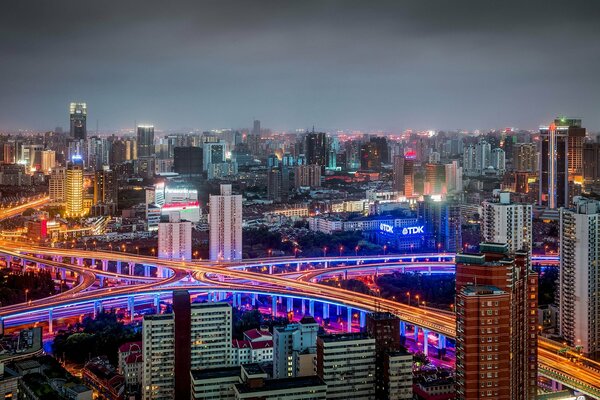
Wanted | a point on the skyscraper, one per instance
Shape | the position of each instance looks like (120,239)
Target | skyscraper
(409,173)
(561,160)
(579,285)
(74,188)
(213,153)
(57,186)
(307,175)
(370,156)
(188,160)
(496,325)
(315,148)
(78,120)
(398,174)
(278,184)
(435,179)
(507,222)
(145,140)
(225,224)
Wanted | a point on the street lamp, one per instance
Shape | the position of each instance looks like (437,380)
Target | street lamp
(137,248)
(270,252)
(408,297)
(384,248)
(356,251)
(26,292)
(341,249)
(325,251)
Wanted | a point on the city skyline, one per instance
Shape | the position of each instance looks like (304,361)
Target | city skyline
(393,66)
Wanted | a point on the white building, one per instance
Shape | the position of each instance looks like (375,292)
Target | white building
(213,153)
(579,293)
(294,348)
(346,362)
(399,375)
(175,239)
(454,177)
(225,225)
(215,383)
(211,335)
(158,353)
(498,159)
(506,222)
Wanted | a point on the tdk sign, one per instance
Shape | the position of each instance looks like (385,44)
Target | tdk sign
(386,228)
(412,230)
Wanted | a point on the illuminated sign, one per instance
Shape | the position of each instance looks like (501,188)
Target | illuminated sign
(413,230)
(386,228)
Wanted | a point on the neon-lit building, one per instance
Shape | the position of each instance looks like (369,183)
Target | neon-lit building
(74,188)
(78,120)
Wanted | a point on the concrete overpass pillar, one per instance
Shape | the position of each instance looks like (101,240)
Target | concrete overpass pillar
(326,264)
(298,269)
(349,319)
(303,307)
(274,306)
(63,274)
(416,334)
(325,310)
(311,307)
(270,270)
(119,267)
(146,270)
(426,341)
(338,310)
(97,308)
(346,274)
(234,300)
(403,269)
(104,265)
(376,272)
(80,261)
(50,324)
(239,299)
(429,270)
(441,342)
(254,299)
(101,278)
(93,264)
(363,319)
(131,307)
(290,304)
(402,329)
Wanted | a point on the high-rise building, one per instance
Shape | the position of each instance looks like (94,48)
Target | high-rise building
(48,161)
(496,325)
(525,157)
(507,222)
(409,174)
(78,120)
(370,156)
(307,176)
(561,161)
(196,336)
(57,185)
(392,380)
(106,187)
(435,179)
(74,188)
(9,153)
(278,184)
(346,362)
(315,148)
(382,148)
(454,177)
(174,238)
(498,159)
(188,160)
(213,153)
(442,224)
(398,173)
(294,348)
(579,287)
(591,161)
(145,141)
(225,224)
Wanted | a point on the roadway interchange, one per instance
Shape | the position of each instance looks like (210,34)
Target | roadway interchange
(570,369)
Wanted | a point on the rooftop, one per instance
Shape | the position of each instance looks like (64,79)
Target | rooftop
(282,384)
(344,337)
(211,373)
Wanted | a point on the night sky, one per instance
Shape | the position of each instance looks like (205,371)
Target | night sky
(348,65)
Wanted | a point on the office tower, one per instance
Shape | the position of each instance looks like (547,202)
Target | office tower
(222,170)
(174,238)
(48,161)
(146,167)
(496,324)
(187,160)
(506,222)
(294,348)
(57,185)
(28,153)
(409,173)
(307,176)
(213,153)
(106,186)
(498,161)
(98,152)
(346,362)
(278,184)
(225,224)
(370,158)
(454,177)
(591,161)
(382,148)
(315,148)
(74,188)
(435,179)
(9,155)
(398,173)
(469,157)
(256,127)
(579,287)
(525,157)
(442,224)
(78,117)
(145,141)
(385,329)
(483,156)
(561,161)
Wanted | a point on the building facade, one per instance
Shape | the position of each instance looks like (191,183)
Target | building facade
(225,225)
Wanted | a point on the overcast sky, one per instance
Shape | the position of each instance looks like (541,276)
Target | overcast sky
(366,65)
